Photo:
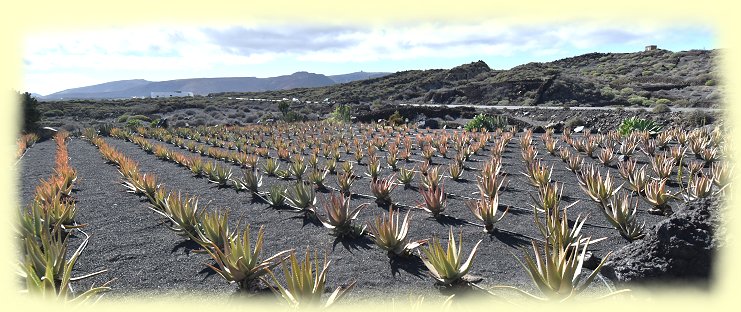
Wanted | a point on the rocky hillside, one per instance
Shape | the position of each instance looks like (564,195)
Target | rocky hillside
(686,78)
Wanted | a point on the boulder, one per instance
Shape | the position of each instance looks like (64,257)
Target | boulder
(678,249)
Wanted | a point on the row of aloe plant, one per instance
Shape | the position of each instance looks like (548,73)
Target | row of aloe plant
(434,201)
(237,260)
(43,230)
(24,142)
(620,209)
(537,173)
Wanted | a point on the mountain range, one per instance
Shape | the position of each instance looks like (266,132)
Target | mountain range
(684,78)
(204,86)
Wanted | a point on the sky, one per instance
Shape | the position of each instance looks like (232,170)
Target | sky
(55,61)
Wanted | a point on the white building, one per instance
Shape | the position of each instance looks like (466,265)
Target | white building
(157,94)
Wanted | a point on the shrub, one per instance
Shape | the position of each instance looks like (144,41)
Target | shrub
(698,118)
(574,122)
(636,100)
(31,114)
(133,123)
(293,117)
(376,105)
(660,108)
(626,91)
(710,82)
(122,118)
(141,117)
(638,124)
(482,121)
(396,119)
(663,101)
(341,113)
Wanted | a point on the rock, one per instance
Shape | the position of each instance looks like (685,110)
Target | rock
(429,123)
(162,123)
(538,129)
(578,129)
(680,248)
(556,126)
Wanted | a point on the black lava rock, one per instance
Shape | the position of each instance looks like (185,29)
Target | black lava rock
(680,248)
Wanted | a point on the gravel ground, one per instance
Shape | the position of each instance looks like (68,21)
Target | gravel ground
(147,260)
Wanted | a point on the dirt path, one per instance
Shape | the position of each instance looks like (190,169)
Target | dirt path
(37,163)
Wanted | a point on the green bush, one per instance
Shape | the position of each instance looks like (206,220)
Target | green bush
(31,114)
(637,100)
(682,103)
(483,121)
(608,93)
(573,122)
(710,82)
(638,124)
(133,123)
(376,105)
(663,101)
(122,118)
(293,117)
(396,119)
(660,108)
(698,118)
(141,118)
(341,113)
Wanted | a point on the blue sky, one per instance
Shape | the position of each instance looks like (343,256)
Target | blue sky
(54,61)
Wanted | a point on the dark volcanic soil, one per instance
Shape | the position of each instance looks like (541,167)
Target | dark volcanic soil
(146,258)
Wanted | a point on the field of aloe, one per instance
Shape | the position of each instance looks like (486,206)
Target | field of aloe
(312,213)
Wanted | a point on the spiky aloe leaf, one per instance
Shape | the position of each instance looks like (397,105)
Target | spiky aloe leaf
(445,265)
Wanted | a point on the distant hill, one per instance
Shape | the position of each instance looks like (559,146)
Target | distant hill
(112,86)
(355,76)
(686,78)
(204,86)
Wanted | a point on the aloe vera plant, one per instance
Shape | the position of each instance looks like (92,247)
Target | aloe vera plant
(302,197)
(391,236)
(446,266)
(239,263)
(406,176)
(249,182)
(556,271)
(46,270)
(339,216)
(433,201)
(618,212)
(382,189)
(305,282)
(486,210)
(213,229)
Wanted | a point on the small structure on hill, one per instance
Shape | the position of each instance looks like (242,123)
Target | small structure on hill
(159,94)
(650,48)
